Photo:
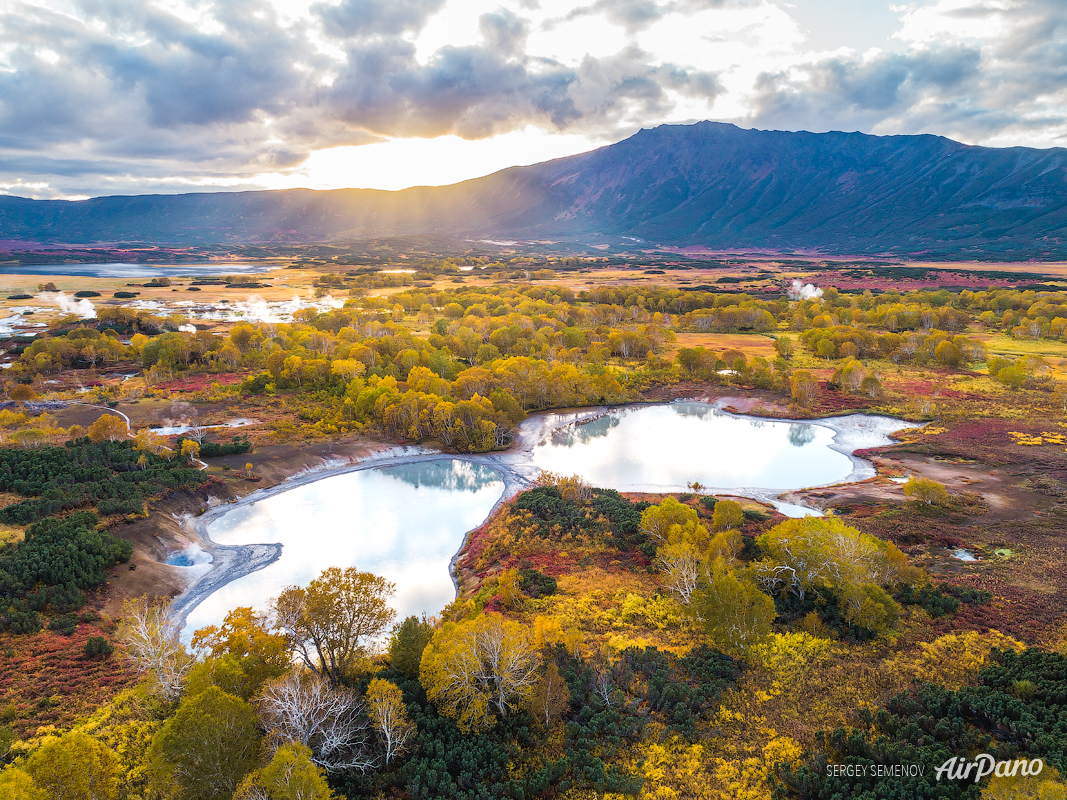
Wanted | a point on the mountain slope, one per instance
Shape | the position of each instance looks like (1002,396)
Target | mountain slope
(706,184)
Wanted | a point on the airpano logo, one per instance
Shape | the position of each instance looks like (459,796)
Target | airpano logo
(984,765)
(955,769)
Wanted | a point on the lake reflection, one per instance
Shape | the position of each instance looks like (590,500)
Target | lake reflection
(664,448)
(404,523)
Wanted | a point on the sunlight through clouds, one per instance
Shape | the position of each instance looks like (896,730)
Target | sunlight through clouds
(112,97)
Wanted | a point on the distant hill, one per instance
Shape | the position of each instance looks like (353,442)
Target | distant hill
(707,184)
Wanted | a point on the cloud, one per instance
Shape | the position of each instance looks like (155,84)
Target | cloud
(109,96)
(504,32)
(988,73)
(363,18)
(850,90)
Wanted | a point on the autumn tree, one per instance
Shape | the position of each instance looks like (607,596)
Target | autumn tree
(812,552)
(1046,785)
(152,636)
(304,707)
(148,441)
(869,606)
(291,775)
(21,393)
(726,544)
(206,748)
(385,703)
(682,544)
(551,697)
(249,637)
(190,451)
(571,487)
(509,591)
(16,784)
(656,521)
(678,562)
(733,610)
(926,491)
(330,624)
(473,666)
(108,428)
(805,389)
(75,767)
(784,346)
(727,515)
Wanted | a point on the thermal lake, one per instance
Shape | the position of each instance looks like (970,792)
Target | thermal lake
(664,448)
(405,522)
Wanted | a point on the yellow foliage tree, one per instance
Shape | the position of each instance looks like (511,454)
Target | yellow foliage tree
(926,491)
(1047,785)
(108,427)
(329,624)
(190,451)
(509,591)
(656,521)
(471,667)
(735,613)
(800,554)
(385,703)
(148,441)
(75,767)
(15,784)
(953,660)
(869,606)
(571,487)
(551,697)
(728,515)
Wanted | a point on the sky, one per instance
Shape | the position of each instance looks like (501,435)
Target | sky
(101,97)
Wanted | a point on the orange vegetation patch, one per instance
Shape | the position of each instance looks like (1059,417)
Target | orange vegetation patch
(45,679)
(751,344)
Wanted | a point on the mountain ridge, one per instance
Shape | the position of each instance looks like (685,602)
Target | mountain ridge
(709,184)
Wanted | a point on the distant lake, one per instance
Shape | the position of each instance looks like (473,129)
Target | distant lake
(119,270)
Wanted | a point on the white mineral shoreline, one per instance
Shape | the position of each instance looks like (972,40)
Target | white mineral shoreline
(516,469)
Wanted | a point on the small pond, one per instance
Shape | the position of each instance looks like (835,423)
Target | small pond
(665,448)
(404,523)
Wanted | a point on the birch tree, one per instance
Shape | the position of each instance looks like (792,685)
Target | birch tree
(304,708)
(152,638)
(551,697)
(390,717)
(471,667)
(735,613)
